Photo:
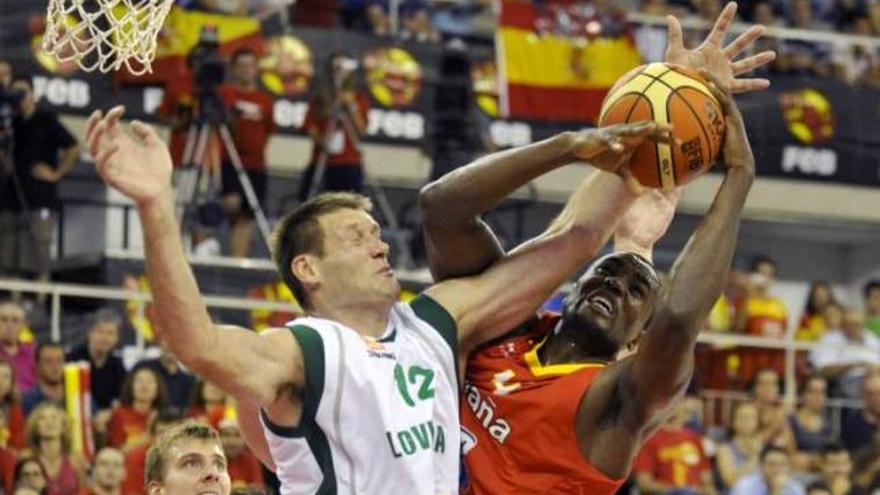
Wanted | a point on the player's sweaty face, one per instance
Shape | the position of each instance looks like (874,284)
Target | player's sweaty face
(617,295)
(355,261)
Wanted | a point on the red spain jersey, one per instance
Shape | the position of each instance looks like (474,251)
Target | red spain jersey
(518,421)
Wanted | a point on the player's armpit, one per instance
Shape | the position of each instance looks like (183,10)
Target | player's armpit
(251,367)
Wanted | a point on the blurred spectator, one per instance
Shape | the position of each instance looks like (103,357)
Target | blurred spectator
(818,488)
(836,468)
(463,18)
(244,468)
(10,405)
(672,461)
(417,27)
(377,20)
(250,109)
(208,403)
(45,152)
(651,39)
(860,426)
(760,313)
(136,458)
(844,356)
(48,434)
(176,111)
(108,473)
(30,473)
(767,392)
(852,60)
(812,322)
(107,373)
(5,73)
(178,382)
(765,14)
(872,306)
(142,398)
(335,121)
(810,426)
(13,321)
(774,477)
(7,465)
(738,457)
(50,378)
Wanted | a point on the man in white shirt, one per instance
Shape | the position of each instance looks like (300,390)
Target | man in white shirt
(845,356)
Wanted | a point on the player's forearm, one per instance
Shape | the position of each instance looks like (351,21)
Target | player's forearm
(184,325)
(460,196)
(700,273)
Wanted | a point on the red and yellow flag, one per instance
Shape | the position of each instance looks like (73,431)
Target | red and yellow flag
(547,74)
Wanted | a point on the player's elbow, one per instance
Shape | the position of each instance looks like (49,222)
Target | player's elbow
(435,203)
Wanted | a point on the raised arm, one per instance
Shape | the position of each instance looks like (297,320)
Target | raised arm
(663,364)
(246,365)
(459,243)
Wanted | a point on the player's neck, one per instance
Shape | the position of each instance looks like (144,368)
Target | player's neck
(561,348)
(367,319)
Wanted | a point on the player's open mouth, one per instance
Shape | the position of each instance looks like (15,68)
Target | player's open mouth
(602,303)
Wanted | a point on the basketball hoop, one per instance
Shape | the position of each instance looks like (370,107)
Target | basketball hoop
(105,35)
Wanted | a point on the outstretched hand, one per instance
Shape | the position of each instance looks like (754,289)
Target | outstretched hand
(138,168)
(719,60)
(610,148)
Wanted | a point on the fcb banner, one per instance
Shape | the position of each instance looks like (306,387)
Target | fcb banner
(550,72)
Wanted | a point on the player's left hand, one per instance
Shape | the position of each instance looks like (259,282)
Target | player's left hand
(719,60)
(44,172)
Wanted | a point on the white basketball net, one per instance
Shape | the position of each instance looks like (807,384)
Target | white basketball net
(104,35)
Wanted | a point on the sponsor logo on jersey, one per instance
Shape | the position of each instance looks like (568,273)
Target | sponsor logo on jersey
(377,349)
(486,414)
(417,438)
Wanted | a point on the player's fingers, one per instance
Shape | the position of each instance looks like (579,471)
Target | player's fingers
(722,24)
(751,63)
(674,194)
(94,118)
(715,87)
(113,117)
(96,136)
(144,131)
(738,86)
(743,41)
(630,180)
(674,36)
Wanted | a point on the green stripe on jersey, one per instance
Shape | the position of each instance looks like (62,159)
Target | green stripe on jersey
(436,315)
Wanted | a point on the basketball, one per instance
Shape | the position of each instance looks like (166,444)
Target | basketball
(672,95)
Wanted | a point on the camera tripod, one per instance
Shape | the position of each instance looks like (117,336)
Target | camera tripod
(201,183)
(338,116)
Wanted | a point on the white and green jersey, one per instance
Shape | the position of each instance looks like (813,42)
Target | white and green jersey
(380,416)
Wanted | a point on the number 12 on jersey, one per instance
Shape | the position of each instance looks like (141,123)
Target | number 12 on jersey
(415,382)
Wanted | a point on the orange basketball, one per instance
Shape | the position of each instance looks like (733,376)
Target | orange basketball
(668,95)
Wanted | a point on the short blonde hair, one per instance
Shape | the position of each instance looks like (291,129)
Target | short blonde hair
(32,428)
(156,465)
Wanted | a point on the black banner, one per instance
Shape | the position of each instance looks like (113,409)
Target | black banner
(801,128)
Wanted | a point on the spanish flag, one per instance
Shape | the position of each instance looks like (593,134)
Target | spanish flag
(550,76)
(180,34)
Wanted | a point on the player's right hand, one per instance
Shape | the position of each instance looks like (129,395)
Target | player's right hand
(610,148)
(138,168)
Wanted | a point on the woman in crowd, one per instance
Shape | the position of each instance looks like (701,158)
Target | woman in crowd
(13,436)
(812,324)
(208,403)
(738,457)
(810,426)
(767,394)
(48,436)
(30,473)
(142,397)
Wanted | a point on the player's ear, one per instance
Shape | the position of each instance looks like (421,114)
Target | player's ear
(305,269)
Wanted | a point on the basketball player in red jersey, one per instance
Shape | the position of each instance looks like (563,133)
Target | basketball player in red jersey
(549,408)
